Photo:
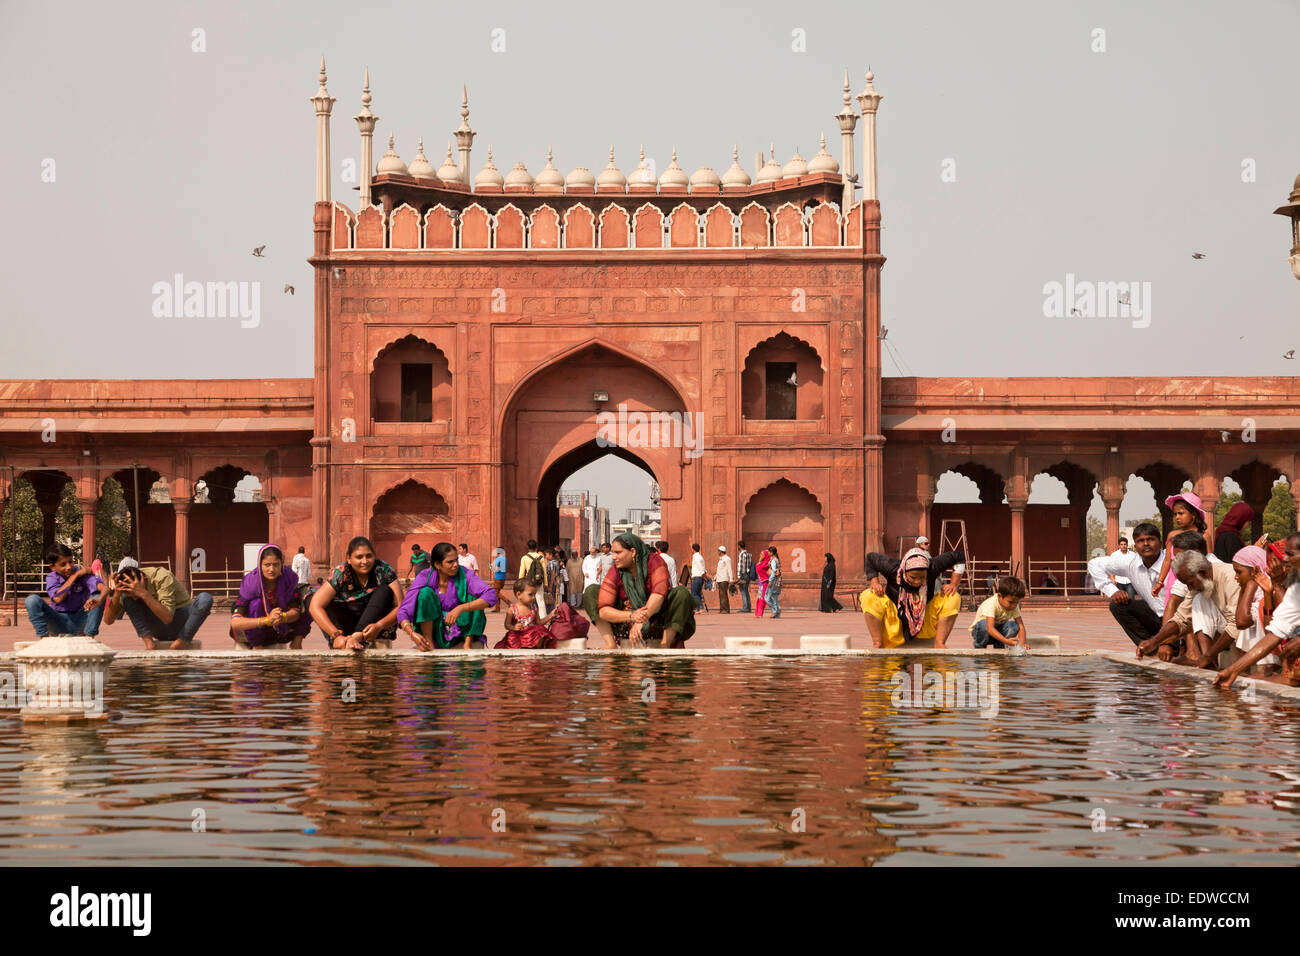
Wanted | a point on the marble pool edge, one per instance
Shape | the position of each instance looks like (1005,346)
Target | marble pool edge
(1204,676)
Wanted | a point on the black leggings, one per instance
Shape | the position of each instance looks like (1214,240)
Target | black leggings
(356,616)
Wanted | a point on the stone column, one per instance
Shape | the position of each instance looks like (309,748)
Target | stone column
(366,121)
(181,506)
(88,508)
(868,103)
(1208,489)
(1017,505)
(848,121)
(324,103)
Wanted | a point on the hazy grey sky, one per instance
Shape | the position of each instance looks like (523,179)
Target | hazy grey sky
(1113,166)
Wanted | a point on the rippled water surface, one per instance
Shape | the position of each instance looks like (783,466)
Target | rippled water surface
(565,761)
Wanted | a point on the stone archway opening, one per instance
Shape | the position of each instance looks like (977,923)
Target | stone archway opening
(569,517)
(584,405)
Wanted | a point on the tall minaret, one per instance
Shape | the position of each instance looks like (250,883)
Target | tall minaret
(848,121)
(868,101)
(366,121)
(464,135)
(323,103)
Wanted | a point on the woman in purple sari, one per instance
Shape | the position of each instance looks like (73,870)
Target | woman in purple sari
(444,605)
(269,609)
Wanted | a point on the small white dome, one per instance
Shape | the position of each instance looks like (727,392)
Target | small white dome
(390,162)
(420,167)
(797,166)
(519,176)
(489,175)
(449,171)
(674,175)
(580,176)
(705,176)
(823,162)
(641,176)
(735,177)
(610,176)
(771,170)
(550,177)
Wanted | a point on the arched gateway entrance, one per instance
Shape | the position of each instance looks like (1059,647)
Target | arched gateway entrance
(581,406)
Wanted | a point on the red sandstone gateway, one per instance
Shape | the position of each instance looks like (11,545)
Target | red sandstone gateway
(470,335)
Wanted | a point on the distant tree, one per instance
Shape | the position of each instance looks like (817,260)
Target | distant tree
(1096,532)
(1279,514)
(1226,502)
(112,525)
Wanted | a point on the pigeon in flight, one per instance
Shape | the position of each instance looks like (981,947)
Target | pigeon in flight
(1123,298)
(258,251)
(793,379)
(1198,255)
(289,289)
(1289,354)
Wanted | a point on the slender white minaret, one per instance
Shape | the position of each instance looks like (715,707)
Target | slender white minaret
(464,135)
(366,121)
(848,121)
(868,101)
(323,103)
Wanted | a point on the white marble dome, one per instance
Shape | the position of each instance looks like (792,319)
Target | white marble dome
(705,176)
(610,175)
(420,167)
(489,175)
(580,176)
(519,176)
(674,175)
(798,166)
(390,162)
(823,162)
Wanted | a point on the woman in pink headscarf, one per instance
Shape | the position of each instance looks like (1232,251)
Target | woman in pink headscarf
(1255,606)
(1188,516)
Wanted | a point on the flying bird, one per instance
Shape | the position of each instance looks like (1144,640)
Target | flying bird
(1075,312)
(884,332)
(1289,354)
(1198,255)
(289,289)
(1123,298)
(1224,436)
(258,251)
(792,380)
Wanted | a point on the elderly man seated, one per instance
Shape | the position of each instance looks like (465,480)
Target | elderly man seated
(1214,592)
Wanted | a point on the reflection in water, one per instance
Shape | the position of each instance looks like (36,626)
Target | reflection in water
(649,760)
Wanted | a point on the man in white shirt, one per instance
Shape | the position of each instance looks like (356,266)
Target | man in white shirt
(1135,609)
(698,573)
(670,561)
(606,559)
(1122,550)
(302,566)
(467,559)
(722,578)
(591,568)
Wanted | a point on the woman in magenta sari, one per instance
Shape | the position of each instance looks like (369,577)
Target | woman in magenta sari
(269,610)
(762,569)
(444,605)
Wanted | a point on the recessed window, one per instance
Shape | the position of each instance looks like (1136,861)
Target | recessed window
(417,392)
(782,390)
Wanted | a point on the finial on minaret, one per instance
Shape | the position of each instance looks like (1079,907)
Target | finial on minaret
(869,102)
(464,135)
(324,103)
(611,152)
(848,121)
(366,121)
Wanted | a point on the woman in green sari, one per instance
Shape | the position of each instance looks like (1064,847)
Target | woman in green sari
(636,599)
(446,601)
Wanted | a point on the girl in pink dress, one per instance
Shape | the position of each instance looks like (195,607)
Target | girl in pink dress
(524,629)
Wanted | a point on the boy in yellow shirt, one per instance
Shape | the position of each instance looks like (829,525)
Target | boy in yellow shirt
(998,622)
